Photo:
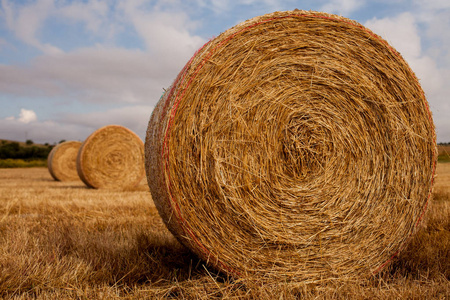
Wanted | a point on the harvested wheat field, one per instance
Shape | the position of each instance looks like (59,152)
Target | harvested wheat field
(64,240)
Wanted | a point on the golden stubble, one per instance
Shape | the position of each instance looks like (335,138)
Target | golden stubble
(64,240)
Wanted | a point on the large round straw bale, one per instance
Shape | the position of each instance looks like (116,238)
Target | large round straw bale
(294,146)
(111,157)
(62,161)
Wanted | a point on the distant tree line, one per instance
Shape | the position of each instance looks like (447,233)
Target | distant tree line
(29,151)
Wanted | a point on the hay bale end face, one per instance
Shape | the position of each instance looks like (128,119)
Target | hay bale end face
(111,157)
(62,161)
(294,146)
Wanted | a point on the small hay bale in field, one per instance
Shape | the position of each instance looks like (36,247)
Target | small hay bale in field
(111,157)
(62,161)
(294,146)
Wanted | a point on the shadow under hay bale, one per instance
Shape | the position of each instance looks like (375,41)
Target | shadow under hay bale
(295,146)
(111,157)
(62,161)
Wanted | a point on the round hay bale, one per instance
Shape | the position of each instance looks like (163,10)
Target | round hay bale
(111,157)
(62,161)
(294,146)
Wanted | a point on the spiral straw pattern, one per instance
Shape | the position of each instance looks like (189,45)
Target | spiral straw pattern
(62,161)
(111,157)
(296,145)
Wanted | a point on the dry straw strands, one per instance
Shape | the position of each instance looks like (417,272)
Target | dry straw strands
(111,157)
(62,161)
(294,146)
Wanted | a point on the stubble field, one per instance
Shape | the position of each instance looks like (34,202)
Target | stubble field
(64,240)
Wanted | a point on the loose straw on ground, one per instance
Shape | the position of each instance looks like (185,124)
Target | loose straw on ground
(294,146)
(62,161)
(111,157)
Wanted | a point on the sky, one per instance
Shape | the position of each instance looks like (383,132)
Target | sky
(69,67)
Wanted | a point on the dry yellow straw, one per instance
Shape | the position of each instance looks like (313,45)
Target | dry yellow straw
(62,161)
(111,157)
(294,146)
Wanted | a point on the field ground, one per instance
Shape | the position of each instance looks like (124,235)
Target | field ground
(63,240)
(443,153)
(443,149)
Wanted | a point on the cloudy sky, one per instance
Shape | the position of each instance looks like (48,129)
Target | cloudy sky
(68,67)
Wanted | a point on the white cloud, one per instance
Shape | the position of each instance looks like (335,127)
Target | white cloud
(26,116)
(342,7)
(133,117)
(8,13)
(226,6)
(102,75)
(435,17)
(26,21)
(220,6)
(93,13)
(400,32)
(98,74)
(41,132)
(436,5)
(165,33)
(76,126)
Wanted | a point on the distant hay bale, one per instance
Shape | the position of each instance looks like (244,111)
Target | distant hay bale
(294,146)
(62,161)
(111,157)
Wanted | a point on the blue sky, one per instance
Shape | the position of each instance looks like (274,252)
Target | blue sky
(69,67)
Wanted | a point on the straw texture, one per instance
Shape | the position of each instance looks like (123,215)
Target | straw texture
(294,146)
(111,157)
(62,161)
